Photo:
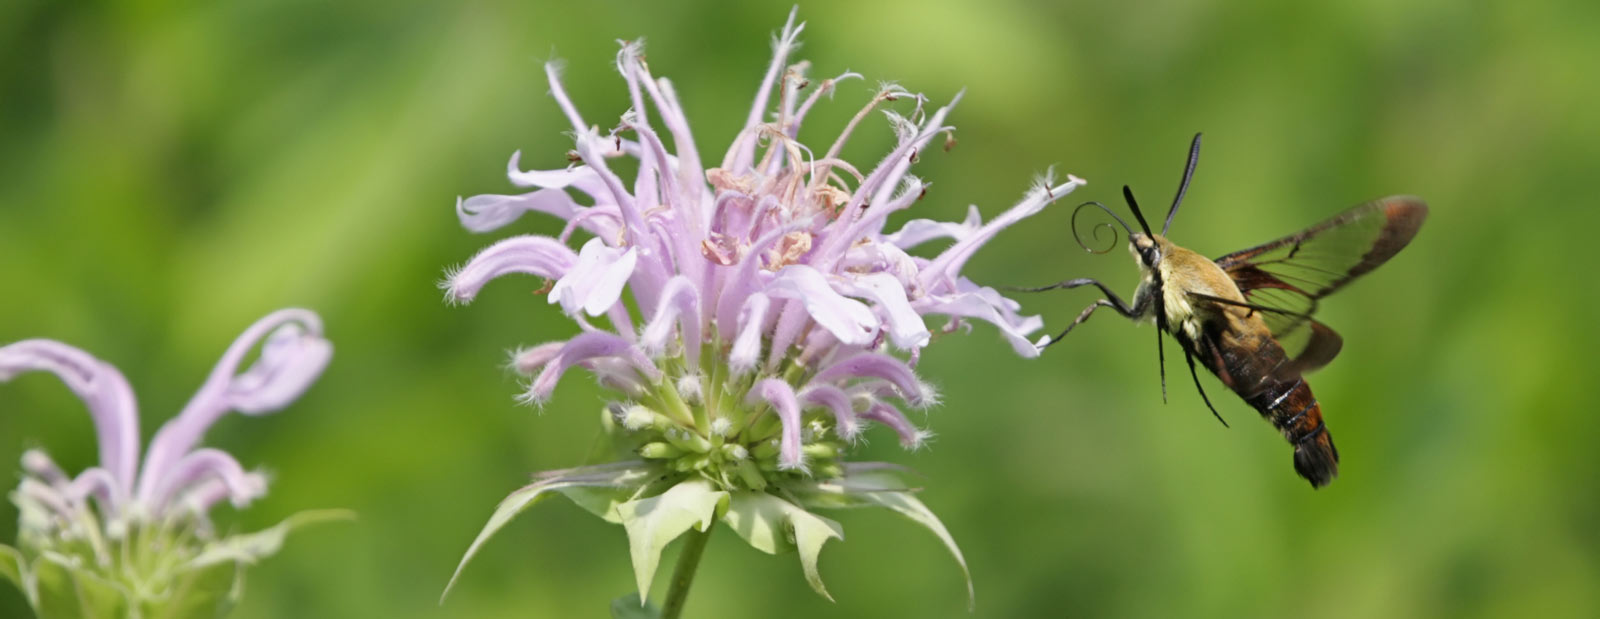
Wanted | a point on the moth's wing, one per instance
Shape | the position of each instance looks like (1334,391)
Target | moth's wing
(1287,278)
(1307,343)
(1326,256)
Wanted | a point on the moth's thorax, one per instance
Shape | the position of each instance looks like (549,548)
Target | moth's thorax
(1184,272)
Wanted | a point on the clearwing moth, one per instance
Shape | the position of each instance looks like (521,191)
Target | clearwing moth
(1249,316)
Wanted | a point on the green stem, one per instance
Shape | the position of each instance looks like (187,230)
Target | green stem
(683,574)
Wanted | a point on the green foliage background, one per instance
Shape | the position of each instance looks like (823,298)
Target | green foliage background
(170,171)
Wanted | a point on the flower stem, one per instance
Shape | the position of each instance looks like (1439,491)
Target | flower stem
(683,574)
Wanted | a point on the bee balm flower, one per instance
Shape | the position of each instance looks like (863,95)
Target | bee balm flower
(124,540)
(772,320)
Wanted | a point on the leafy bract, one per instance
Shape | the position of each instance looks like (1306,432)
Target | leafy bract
(14,568)
(252,547)
(601,476)
(654,522)
(66,591)
(881,488)
(773,525)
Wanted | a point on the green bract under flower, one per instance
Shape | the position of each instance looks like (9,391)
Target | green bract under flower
(694,453)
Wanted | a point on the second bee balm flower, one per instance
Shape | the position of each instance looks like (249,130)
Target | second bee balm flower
(774,319)
(129,540)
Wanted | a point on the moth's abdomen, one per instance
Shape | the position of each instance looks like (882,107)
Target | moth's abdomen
(1294,411)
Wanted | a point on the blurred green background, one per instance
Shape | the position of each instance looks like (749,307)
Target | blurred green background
(170,171)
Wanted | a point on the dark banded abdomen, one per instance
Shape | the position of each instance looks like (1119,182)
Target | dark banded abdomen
(1294,411)
(1245,357)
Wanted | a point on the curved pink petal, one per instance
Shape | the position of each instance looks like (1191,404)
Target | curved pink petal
(293,358)
(529,360)
(207,464)
(575,176)
(99,483)
(487,212)
(103,390)
(836,401)
(919,231)
(989,306)
(540,256)
(680,304)
(582,348)
(948,264)
(878,365)
(847,319)
(910,436)
(746,350)
(781,396)
(906,328)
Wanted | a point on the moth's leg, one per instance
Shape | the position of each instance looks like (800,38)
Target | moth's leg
(1088,311)
(1112,300)
(1161,358)
(1190,358)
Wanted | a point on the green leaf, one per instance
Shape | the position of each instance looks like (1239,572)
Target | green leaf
(631,607)
(773,525)
(68,592)
(654,522)
(599,476)
(13,567)
(252,547)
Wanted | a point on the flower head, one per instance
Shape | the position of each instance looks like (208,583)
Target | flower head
(772,319)
(138,537)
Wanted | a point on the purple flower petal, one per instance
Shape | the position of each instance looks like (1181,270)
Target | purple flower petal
(37,463)
(847,319)
(690,173)
(680,303)
(988,305)
(837,401)
(584,347)
(919,231)
(99,483)
(949,263)
(201,465)
(906,328)
(535,255)
(288,364)
(291,359)
(781,396)
(484,213)
(635,228)
(576,176)
(742,152)
(529,360)
(595,282)
(101,387)
(910,436)
(746,350)
(877,365)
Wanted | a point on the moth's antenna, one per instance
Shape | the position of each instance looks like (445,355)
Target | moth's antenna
(1133,205)
(1096,232)
(1188,173)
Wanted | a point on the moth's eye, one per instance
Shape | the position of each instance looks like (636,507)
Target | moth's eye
(1151,256)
